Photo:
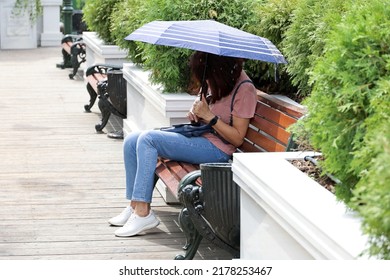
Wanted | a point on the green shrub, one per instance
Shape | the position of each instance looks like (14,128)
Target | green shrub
(304,39)
(350,114)
(271,20)
(97,16)
(128,15)
(78,4)
(169,66)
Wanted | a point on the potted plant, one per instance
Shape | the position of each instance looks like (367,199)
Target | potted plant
(292,216)
(350,113)
(100,47)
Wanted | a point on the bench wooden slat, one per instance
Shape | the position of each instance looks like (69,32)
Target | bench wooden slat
(249,147)
(171,172)
(94,79)
(283,106)
(272,129)
(273,115)
(66,46)
(167,178)
(267,144)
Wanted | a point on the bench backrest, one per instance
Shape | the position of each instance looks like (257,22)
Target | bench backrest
(267,130)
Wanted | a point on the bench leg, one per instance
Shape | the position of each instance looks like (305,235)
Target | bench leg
(77,57)
(92,99)
(75,65)
(104,108)
(67,63)
(193,238)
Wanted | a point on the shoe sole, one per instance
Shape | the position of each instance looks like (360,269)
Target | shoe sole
(141,230)
(116,225)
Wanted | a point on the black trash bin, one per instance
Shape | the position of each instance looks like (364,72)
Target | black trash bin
(114,100)
(221,201)
(78,24)
(116,89)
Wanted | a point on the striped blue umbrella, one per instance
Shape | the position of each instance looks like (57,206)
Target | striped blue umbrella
(208,36)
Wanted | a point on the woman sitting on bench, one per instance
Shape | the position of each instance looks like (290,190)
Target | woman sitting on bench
(217,78)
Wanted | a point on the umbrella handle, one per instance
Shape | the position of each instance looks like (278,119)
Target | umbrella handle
(204,88)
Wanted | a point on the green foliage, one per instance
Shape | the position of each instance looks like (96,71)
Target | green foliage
(128,16)
(97,16)
(350,114)
(32,7)
(372,193)
(304,39)
(169,66)
(271,20)
(78,4)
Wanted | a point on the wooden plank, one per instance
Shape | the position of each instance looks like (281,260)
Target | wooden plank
(60,180)
(273,115)
(281,105)
(94,79)
(266,143)
(66,46)
(271,129)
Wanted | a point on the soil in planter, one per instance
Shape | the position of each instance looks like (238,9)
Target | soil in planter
(314,172)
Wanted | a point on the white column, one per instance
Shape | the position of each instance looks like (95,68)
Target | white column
(51,35)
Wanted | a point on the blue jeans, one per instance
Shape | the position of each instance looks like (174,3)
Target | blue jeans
(141,150)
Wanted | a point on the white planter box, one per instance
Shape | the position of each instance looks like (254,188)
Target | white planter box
(99,53)
(286,215)
(147,106)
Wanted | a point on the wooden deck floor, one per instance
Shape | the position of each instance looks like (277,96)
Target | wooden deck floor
(60,181)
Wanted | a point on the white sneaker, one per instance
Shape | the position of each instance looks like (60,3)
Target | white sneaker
(122,218)
(136,224)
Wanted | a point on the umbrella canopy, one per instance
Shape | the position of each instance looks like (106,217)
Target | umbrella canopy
(208,36)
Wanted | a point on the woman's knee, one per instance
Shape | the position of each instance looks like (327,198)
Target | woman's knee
(130,141)
(149,137)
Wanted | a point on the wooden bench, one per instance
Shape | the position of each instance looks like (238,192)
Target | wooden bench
(73,52)
(106,82)
(267,133)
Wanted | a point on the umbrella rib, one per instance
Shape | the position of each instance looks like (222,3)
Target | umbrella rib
(213,45)
(208,36)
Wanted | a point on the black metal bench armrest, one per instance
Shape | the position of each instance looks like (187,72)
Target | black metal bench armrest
(71,38)
(102,68)
(189,179)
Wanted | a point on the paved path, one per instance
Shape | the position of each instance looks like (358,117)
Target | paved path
(60,181)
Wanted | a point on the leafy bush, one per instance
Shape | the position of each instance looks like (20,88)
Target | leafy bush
(128,16)
(271,20)
(304,39)
(169,66)
(97,16)
(350,114)
(78,4)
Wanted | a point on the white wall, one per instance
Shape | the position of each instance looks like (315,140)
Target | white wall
(18,32)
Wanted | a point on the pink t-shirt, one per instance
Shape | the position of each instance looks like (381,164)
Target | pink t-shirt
(244,106)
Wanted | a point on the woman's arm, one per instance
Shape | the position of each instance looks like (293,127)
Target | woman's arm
(233,134)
